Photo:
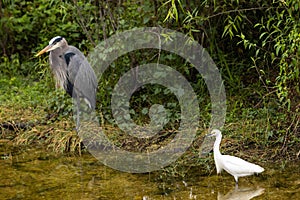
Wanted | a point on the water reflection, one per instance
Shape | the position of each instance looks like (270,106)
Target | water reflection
(241,193)
(40,174)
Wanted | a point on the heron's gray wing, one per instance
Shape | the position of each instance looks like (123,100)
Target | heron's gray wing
(82,81)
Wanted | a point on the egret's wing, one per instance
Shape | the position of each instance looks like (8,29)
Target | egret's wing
(240,167)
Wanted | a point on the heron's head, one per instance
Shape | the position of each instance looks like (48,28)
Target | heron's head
(214,133)
(56,42)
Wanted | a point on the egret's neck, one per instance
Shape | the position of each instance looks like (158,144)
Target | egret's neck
(217,144)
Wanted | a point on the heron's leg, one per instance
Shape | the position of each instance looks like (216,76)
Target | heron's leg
(77,115)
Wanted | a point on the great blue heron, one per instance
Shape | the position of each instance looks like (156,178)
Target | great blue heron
(72,72)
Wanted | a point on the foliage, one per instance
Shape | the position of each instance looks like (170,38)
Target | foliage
(262,36)
(278,47)
(268,32)
(21,93)
(27,26)
(61,104)
(255,44)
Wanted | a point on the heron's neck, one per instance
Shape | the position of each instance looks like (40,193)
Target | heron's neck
(217,144)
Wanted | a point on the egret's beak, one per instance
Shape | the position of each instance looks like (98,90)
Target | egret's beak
(210,135)
(46,49)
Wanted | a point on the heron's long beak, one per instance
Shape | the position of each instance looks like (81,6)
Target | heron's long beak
(46,49)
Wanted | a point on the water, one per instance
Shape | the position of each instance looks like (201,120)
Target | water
(40,174)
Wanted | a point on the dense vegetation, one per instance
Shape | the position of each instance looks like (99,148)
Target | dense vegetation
(255,44)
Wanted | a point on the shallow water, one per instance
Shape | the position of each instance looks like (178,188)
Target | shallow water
(40,174)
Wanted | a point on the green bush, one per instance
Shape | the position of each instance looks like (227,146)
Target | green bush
(255,44)
(27,26)
(252,42)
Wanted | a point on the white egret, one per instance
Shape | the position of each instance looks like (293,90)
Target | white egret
(235,166)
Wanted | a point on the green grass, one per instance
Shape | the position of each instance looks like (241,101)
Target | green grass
(23,92)
(255,133)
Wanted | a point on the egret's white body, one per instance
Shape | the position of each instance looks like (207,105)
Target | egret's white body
(235,166)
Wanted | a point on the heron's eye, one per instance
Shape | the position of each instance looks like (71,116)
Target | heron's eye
(56,40)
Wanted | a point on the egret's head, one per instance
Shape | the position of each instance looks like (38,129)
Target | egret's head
(54,43)
(215,133)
